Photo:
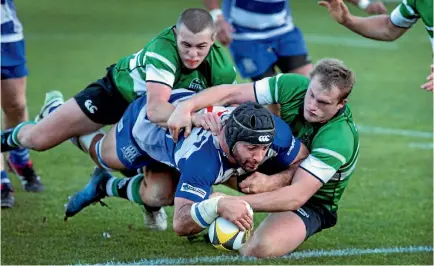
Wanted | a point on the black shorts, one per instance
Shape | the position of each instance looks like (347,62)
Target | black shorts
(316,217)
(101,101)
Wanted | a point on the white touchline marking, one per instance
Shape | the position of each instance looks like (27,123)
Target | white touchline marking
(422,145)
(355,41)
(394,131)
(294,256)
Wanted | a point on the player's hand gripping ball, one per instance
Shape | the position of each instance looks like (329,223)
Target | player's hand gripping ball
(225,235)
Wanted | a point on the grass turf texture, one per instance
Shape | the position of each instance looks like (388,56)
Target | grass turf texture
(389,199)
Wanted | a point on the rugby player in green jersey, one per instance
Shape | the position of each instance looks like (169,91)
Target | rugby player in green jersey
(181,56)
(316,108)
(387,27)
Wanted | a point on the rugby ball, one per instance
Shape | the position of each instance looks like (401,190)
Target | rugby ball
(225,235)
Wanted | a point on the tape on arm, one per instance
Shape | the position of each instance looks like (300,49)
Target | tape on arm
(215,13)
(205,212)
(363,4)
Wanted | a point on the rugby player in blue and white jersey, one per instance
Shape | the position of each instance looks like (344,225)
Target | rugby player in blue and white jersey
(13,102)
(250,135)
(262,36)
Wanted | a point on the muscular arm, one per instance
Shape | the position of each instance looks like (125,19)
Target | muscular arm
(259,183)
(285,177)
(183,223)
(208,210)
(158,108)
(374,27)
(288,198)
(221,95)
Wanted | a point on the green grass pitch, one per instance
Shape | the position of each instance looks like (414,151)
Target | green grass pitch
(389,202)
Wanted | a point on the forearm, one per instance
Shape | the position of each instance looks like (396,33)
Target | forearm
(221,95)
(183,222)
(282,199)
(374,27)
(191,218)
(159,112)
(283,178)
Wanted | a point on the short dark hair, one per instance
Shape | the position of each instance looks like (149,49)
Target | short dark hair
(333,72)
(195,19)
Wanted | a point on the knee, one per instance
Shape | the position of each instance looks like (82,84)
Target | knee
(157,196)
(14,107)
(179,227)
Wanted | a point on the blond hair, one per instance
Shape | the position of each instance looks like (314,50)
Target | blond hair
(334,73)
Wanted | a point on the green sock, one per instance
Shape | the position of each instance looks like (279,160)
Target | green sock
(127,188)
(13,139)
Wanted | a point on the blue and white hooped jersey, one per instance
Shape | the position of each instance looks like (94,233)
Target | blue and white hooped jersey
(12,30)
(198,157)
(258,19)
(202,162)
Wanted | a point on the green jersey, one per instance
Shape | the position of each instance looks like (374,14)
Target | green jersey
(409,11)
(159,62)
(333,146)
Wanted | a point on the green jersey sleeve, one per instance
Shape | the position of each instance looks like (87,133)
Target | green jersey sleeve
(332,148)
(409,11)
(288,90)
(405,14)
(161,62)
(282,89)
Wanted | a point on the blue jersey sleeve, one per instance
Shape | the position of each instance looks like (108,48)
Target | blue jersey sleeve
(285,144)
(199,170)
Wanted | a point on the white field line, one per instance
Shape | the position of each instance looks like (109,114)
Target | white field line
(293,256)
(401,132)
(421,145)
(356,41)
(394,131)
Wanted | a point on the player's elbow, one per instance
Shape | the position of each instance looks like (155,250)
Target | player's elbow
(390,36)
(392,32)
(151,113)
(298,203)
(181,227)
(155,109)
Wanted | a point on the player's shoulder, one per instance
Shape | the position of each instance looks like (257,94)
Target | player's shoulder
(293,80)
(290,87)
(283,134)
(293,76)
(220,63)
(199,146)
(164,42)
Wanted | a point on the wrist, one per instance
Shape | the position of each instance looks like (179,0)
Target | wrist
(348,21)
(216,14)
(205,212)
(195,117)
(363,4)
(186,107)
